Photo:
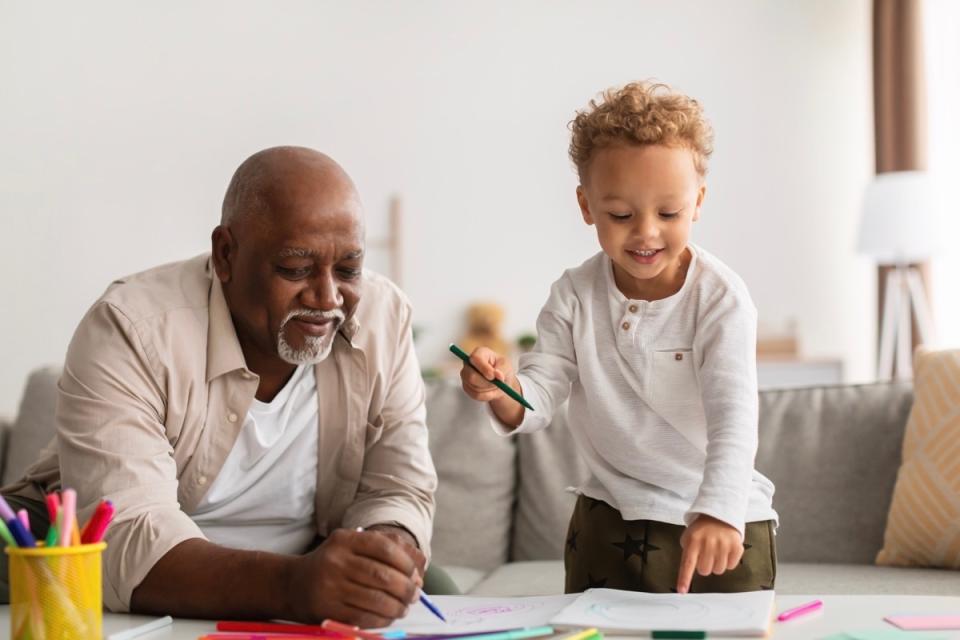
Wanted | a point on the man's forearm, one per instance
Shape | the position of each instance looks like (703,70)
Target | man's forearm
(198,579)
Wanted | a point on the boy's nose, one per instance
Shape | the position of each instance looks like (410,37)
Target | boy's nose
(647,228)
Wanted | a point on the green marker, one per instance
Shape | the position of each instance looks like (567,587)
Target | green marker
(5,534)
(518,634)
(457,351)
(51,536)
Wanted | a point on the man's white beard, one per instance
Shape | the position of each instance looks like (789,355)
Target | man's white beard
(315,349)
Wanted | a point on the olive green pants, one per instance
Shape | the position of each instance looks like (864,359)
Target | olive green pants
(436,581)
(604,550)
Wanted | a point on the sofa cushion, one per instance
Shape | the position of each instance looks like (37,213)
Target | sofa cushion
(547,463)
(34,427)
(477,470)
(923,528)
(832,453)
(546,578)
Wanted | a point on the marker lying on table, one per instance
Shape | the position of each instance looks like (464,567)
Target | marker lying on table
(153,625)
(810,607)
(351,631)
(499,384)
(516,634)
(692,635)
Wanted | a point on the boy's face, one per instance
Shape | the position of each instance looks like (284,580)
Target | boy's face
(643,201)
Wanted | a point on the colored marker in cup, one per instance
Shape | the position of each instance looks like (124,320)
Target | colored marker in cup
(20,534)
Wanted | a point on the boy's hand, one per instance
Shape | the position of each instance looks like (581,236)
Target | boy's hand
(709,546)
(489,365)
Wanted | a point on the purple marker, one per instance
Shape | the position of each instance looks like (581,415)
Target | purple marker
(23,537)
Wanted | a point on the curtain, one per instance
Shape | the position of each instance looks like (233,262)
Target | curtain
(899,102)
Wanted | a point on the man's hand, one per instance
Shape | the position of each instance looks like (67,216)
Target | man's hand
(709,546)
(365,578)
(405,539)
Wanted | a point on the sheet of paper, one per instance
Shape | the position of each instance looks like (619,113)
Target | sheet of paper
(613,611)
(926,622)
(467,614)
(884,634)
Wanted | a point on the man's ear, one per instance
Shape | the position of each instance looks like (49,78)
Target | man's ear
(584,206)
(224,250)
(701,194)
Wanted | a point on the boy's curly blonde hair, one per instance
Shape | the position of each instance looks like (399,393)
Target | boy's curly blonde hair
(641,113)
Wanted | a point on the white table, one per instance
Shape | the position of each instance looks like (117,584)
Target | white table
(839,613)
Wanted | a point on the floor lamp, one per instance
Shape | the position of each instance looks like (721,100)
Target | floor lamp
(898,228)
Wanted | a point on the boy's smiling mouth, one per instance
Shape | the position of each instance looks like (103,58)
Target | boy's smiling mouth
(644,256)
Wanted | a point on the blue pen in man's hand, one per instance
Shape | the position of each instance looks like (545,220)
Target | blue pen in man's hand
(429,605)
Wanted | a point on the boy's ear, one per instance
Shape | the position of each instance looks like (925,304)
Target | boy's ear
(701,194)
(584,207)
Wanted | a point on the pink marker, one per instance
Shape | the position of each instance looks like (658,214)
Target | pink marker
(24,518)
(803,609)
(68,507)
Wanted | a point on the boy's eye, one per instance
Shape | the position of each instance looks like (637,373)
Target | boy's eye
(616,215)
(669,214)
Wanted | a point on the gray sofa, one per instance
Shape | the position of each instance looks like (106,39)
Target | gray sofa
(502,508)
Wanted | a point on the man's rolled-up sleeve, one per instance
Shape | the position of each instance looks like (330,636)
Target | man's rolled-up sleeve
(113,445)
(398,480)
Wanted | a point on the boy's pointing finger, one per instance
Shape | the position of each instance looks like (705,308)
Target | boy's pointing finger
(688,562)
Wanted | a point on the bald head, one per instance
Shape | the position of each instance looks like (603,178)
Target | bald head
(280,179)
(289,255)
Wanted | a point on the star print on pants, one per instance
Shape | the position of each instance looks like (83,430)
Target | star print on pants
(595,584)
(572,540)
(631,547)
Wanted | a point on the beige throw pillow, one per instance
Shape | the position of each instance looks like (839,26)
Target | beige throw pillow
(923,527)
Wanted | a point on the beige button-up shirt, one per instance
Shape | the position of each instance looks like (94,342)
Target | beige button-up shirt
(152,396)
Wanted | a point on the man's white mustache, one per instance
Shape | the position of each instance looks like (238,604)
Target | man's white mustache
(314,314)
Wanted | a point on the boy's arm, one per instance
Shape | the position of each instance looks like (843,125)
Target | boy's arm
(726,340)
(548,371)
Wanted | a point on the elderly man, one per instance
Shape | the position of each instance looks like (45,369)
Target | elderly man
(255,415)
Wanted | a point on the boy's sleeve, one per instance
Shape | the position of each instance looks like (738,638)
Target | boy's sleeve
(547,372)
(726,340)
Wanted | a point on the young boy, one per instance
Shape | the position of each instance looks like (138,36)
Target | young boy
(654,342)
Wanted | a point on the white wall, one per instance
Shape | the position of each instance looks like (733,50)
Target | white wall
(942,19)
(122,123)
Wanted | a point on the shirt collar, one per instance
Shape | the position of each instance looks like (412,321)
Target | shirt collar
(223,347)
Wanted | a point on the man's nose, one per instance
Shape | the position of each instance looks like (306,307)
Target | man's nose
(323,294)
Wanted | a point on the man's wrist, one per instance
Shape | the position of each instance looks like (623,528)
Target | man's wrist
(398,528)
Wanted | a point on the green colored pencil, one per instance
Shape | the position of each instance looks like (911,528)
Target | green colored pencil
(507,389)
(5,534)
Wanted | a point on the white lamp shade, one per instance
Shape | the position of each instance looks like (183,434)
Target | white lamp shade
(900,222)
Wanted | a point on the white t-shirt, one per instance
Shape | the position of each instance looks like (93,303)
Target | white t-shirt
(663,394)
(263,497)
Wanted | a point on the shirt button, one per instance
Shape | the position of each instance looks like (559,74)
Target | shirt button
(625,325)
(232,417)
(202,480)
(633,308)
